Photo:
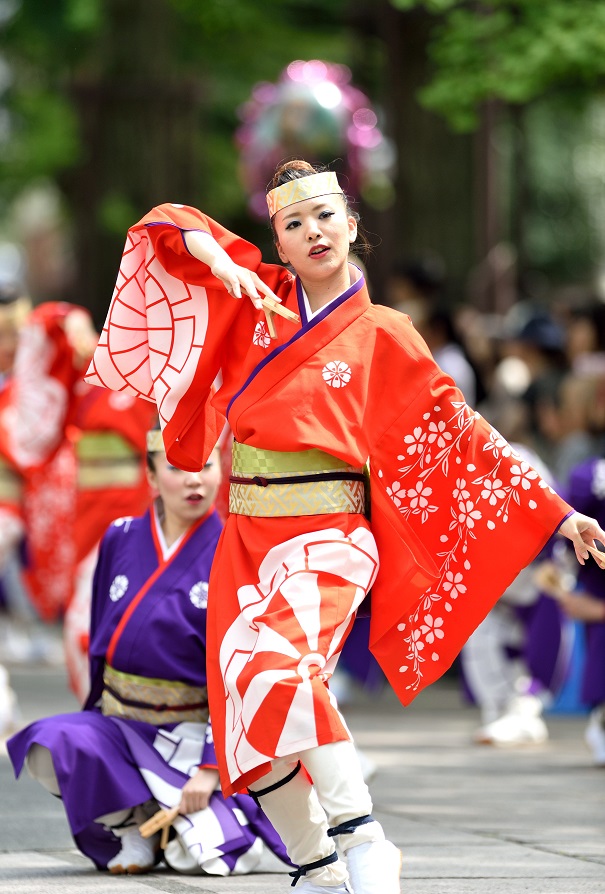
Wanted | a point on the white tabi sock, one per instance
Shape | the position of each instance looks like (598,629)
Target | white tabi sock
(299,819)
(373,862)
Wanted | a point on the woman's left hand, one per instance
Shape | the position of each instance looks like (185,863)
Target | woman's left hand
(582,531)
(197,791)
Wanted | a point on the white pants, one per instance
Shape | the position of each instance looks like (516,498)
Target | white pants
(302,811)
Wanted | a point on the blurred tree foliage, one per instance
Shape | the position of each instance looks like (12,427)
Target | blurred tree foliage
(512,50)
(524,75)
(127,103)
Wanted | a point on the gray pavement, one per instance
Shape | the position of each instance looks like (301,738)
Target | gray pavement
(469,819)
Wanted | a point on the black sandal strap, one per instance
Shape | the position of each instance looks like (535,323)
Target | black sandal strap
(302,870)
(260,481)
(271,788)
(350,825)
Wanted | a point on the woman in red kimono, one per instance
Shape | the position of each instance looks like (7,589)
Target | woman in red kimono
(83,451)
(313,394)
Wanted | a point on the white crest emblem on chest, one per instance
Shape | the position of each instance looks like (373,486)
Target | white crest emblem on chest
(337,374)
(198,594)
(118,587)
(261,335)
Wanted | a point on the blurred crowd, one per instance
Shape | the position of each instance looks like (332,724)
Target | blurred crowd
(72,459)
(537,374)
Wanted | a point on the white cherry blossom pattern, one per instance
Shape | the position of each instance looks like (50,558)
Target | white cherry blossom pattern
(499,446)
(438,434)
(118,587)
(396,492)
(337,374)
(261,335)
(418,501)
(466,515)
(460,491)
(415,442)
(493,491)
(198,594)
(453,585)
(523,474)
(481,500)
(431,628)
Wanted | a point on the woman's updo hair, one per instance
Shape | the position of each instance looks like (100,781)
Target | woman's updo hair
(149,454)
(297,168)
(293,170)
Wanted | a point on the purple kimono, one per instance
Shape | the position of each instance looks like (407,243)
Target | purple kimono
(586,490)
(149,614)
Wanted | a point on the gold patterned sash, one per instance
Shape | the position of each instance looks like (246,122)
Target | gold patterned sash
(10,485)
(258,488)
(106,460)
(158,702)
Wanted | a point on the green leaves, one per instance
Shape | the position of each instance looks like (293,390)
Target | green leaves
(513,50)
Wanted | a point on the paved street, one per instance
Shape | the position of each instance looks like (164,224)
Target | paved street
(468,819)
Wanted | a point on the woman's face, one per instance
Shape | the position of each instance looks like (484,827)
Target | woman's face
(315,236)
(186,496)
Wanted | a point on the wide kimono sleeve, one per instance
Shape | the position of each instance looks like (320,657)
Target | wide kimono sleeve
(43,387)
(456,514)
(168,324)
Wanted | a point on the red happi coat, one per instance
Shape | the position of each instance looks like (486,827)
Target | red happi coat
(130,418)
(455,513)
(38,401)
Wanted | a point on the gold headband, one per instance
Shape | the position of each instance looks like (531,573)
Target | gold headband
(300,189)
(155,442)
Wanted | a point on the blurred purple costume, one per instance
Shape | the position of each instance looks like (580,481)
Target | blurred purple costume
(586,490)
(106,764)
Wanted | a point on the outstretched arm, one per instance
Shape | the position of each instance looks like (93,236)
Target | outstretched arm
(236,279)
(583,531)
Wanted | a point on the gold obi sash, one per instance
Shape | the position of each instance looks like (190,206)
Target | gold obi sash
(320,483)
(105,459)
(158,702)
(10,485)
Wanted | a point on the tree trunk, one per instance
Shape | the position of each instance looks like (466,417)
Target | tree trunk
(433,212)
(140,131)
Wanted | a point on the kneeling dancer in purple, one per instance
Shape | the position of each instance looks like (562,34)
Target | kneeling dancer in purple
(143,740)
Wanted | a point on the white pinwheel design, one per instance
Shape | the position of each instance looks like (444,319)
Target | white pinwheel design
(261,335)
(275,668)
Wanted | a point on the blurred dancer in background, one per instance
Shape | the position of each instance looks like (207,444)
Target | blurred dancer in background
(516,661)
(582,597)
(99,437)
(16,611)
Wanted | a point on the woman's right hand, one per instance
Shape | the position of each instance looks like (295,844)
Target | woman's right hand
(239,280)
